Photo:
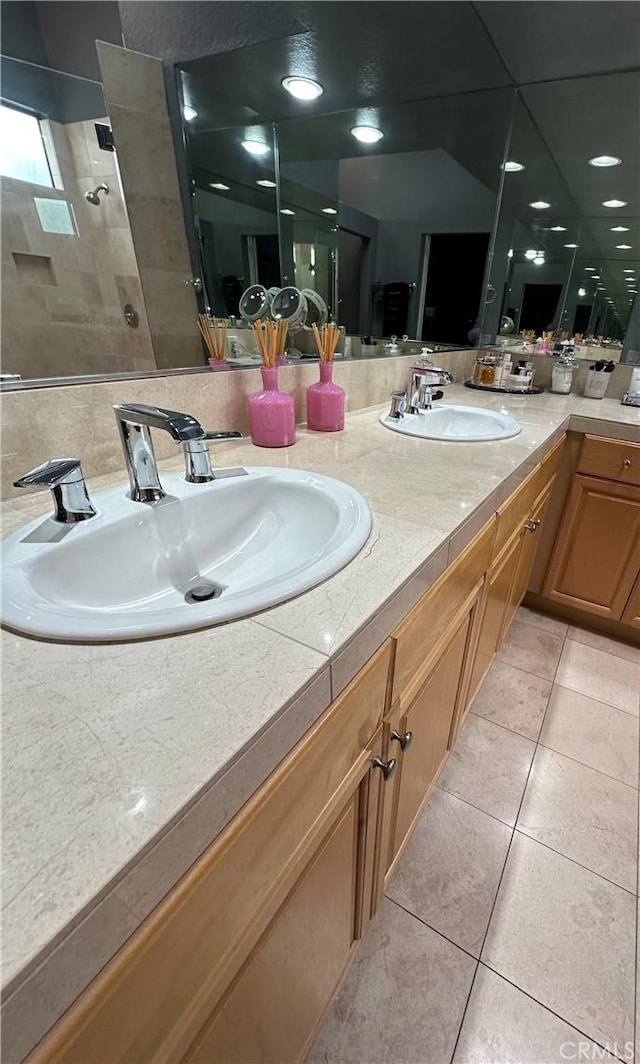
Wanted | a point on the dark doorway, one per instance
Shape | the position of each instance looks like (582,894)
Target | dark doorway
(268,259)
(351,255)
(581,320)
(455,272)
(539,306)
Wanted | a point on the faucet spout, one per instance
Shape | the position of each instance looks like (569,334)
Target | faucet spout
(135,422)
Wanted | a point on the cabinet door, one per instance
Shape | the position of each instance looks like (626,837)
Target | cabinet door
(596,558)
(429,718)
(631,613)
(272,1010)
(497,595)
(525,559)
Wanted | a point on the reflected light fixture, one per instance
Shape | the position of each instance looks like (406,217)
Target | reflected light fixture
(266,183)
(255,147)
(530,253)
(557,228)
(619,228)
(624,247)
(630,270)
(510,253)
(302,88)
(582,291)
(329,210)
(539,260)
(605,160)
(614,203)
(589,268)
(367,134)
(512,167)
(189,113)
(287,210)
(219,185)
(572,245)
(539,205)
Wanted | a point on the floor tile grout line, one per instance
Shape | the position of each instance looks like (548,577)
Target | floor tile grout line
(477,808)
(577,761)
(505,727)
(425,923)
(629,712)
(563,1019)
(579,864)
(537,675)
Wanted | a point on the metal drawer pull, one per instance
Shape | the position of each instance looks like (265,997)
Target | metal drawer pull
(532,526)
(386,766)
(627,463)
(404,740)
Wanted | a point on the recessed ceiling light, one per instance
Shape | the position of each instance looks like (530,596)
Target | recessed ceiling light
(539,205)
(266,183)
(619,228)
(539,260)
(614,203)
(512,167)
(287,210)
(189,113)
(605,160)
(219,185)
(530,253)
(557,228)
(329,210)
(624,247)
(629,270)
(367,134)
(510,253)
(589,268)
(302,88)
(572,245)
(601,288)
(596,277)
(582,291)
(255,147)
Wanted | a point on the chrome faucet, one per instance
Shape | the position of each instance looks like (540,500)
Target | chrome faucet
(425,379)
(135,422)
(65,478)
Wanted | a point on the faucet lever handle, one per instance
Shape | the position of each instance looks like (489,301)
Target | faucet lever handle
(197,459)
(65,478)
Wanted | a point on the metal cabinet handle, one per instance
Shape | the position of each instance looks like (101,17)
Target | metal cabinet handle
(627,463)
(404,740)
(532,525)
(387,767)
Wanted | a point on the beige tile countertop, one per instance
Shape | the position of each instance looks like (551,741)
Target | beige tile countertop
(121,763)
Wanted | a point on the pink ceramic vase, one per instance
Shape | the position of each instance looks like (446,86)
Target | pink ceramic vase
(281,360)
(325,402)
(218,363)
(271,413)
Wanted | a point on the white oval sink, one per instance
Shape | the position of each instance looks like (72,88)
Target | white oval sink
(460,424)
(258,538)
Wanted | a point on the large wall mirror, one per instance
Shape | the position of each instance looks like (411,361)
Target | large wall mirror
(567,243)
(388,237)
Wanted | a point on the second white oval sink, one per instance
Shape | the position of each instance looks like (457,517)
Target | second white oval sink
(139,570)
(470,424)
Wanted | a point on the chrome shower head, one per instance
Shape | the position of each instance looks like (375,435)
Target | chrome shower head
(93,195)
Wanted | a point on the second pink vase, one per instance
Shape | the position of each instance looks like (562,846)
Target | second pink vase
(325,402)
(272,417)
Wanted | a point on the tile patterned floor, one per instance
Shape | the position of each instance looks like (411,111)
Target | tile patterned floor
(508,934)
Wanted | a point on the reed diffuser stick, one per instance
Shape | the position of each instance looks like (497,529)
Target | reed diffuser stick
(214,334)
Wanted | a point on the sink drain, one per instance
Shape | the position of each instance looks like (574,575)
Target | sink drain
(203,592)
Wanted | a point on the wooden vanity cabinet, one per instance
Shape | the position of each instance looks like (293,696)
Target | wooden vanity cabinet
(240,960)
(595,563)
(631,615)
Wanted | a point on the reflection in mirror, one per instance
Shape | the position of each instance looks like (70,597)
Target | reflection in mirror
(69,271)
(571,265)
(415,209)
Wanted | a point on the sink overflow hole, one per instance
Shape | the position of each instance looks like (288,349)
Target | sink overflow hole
(203,592)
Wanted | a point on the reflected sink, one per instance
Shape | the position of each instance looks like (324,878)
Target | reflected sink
(137,570)
(460,424)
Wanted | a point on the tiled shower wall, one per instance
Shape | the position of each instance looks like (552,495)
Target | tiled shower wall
(63,294)
(133,86)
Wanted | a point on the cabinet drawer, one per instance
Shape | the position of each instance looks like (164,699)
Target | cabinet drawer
(612,459)
(515,511)
(422,628)
(152,1000)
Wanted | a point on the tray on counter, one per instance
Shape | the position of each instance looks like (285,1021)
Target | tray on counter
(535,390)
